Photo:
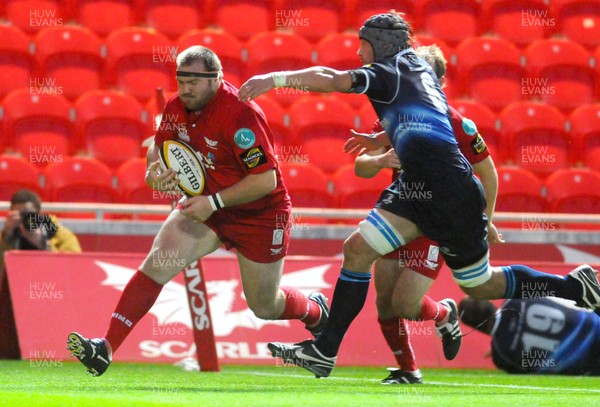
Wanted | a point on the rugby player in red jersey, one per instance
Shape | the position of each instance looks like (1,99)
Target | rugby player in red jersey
(403,276)
(245,206)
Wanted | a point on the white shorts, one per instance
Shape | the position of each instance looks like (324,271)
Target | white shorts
(474,275)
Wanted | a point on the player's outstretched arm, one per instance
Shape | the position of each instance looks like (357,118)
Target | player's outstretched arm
(314,79)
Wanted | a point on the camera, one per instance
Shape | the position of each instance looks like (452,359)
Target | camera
(36,220)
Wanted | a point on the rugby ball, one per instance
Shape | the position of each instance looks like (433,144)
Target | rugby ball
(181,157)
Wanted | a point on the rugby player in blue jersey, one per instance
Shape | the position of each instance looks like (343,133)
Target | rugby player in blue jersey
(542,335)
(436,195)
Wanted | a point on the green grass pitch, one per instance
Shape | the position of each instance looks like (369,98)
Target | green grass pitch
(66,384)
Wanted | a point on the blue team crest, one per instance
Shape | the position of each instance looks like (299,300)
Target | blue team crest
(244,138)
(469,126)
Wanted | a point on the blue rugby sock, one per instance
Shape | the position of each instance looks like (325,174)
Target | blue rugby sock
(348,299)
(523,282)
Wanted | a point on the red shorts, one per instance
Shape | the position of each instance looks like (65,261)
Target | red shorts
(422,255)
(262,238)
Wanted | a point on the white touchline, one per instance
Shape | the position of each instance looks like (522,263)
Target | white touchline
(505,386)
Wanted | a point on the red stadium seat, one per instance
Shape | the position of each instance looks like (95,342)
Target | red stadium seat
(38,126)
(139,60)
(491,71)
(585,128)
(559,73)
(307,185)
(16,61)
(70,56)
(519,190)
(486,122)
(132,185)
(452,86)
(79,179)
(244,18)
(579,21)
(338,51)
(574,191)
(536,136)
(596,57)
(34,15)
(175,17)
(358,11)
(272,51)
(228,48)
(311,19)
(106,119)
(452,21)
(17,173)
(519,21)
(154,108)
(327,153)
(356,192)
(105,16)
(277,119)
(278,51)
(320,117)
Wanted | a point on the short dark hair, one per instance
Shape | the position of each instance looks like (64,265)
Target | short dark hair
(199,53)
(23,196)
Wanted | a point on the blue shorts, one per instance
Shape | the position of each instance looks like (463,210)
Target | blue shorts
(454,218)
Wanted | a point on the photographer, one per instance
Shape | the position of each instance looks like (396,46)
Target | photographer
(26,228)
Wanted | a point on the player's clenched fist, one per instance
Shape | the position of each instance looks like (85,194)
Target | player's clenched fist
(255,86)
(197,208)
(160,180)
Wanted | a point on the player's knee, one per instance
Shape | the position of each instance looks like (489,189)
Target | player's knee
(264,312)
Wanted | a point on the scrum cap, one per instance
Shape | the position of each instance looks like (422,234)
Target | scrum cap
(387,33)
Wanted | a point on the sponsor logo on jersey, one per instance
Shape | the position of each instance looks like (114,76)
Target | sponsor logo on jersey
(183,134)
(254,157)
(211,143)
(478,145)
(244,138)
(469,126)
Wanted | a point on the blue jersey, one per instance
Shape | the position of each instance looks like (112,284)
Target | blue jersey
(412,108)
(546,335)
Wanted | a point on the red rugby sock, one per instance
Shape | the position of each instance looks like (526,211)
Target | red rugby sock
(432,310)
(298,306)
(396,334)
(139,295)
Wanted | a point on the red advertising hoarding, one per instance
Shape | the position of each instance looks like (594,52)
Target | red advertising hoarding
(54,294)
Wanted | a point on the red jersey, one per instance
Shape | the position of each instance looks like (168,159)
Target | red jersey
(232,140)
